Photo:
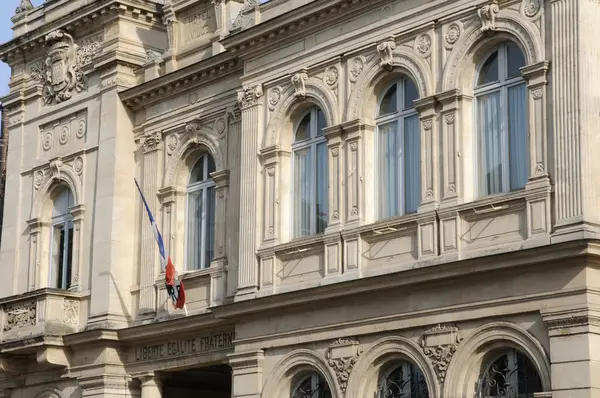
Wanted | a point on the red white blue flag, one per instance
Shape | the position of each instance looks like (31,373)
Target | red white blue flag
(173,284)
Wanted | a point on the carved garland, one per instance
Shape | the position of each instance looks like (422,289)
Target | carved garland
(342,365)
(439,344)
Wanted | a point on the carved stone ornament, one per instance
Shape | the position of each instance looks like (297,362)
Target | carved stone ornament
(274,97)
(20,315)
(449,117)
(153,57)
(423,44)
(299,82)
(78,164)
(233,113)
(487,14)
(356,67)
(63,74)
(452,33)
(172,142)
(55,166)
(250,96)
(439,344)
(24,6)
(220,127)
(331,76)
(386,52)
(71,312)
(427,124)
(65,133)
(341,357)
(38,178)
(537,93)
(531,8)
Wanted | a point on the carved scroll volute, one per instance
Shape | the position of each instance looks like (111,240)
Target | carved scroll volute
(341,357)
(386,52)
(487,14)
(299,82)
(439,344)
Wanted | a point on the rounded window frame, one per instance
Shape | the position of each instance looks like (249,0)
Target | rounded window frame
(398,118)
(501,86)
(301,378)
(202,185)
(311,143)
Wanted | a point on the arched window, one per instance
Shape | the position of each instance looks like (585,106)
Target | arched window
(61,241)
(398,151)
(405,380)
(311,175)
(503,147)
(201,214)
(312,385)
(511,374)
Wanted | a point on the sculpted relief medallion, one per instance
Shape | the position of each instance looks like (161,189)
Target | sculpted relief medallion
(63,75)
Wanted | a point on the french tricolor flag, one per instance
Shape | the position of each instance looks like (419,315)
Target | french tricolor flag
(173,284)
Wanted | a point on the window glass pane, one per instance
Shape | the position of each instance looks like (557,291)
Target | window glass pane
(389,156)
(303,129)
(210,165)
(406,380)
(490,160)
(489,70)
(61,259)
(518,141)
(515,60)
(209,235)
(321,122)
(69,253)
(322,191)
(197,173)
(302,187)
(62,203)
(194,229)
(389,102)
(412,165)
(410,94)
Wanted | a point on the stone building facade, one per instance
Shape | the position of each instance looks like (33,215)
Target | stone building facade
(364,198)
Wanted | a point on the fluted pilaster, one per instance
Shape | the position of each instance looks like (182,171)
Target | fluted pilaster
(251,103)
(148,266)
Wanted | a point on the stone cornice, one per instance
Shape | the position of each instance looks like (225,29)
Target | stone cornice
(406,278)
(295,22)
(174,83)
(72,22)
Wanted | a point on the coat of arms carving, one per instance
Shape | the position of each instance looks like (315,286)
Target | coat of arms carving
(63,74)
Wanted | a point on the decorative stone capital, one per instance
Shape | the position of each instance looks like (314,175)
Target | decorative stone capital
(426,106)
(487,14)
(250,96)
(78,212)
(536,74)
(221,178)
(246,360)
(151,141)
(386,52)
(299,82)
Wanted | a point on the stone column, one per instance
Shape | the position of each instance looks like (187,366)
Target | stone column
(149,256)
(574,338)
(251,103)
(336,186)
(272,232)
(247,378)
(77,213)
(151,386)
(575,82)
(429,154)
(221,179)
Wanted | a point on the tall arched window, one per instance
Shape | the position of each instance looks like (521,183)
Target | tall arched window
(201,214)
(61,241)
(312,385)
(310,193)
(503,147)
(404,380)
(398,150)
(511,374)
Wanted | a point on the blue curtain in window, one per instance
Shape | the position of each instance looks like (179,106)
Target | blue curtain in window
(302,185)
(517,136)
(389,161)
(490,145)
(322,191)
(412,165)
(194,236)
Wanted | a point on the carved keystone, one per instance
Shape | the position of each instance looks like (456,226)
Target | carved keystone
(439,344)
(341,357)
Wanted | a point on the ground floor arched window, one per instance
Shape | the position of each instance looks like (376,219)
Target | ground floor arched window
(402,380)
(311,385)
(508,374)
